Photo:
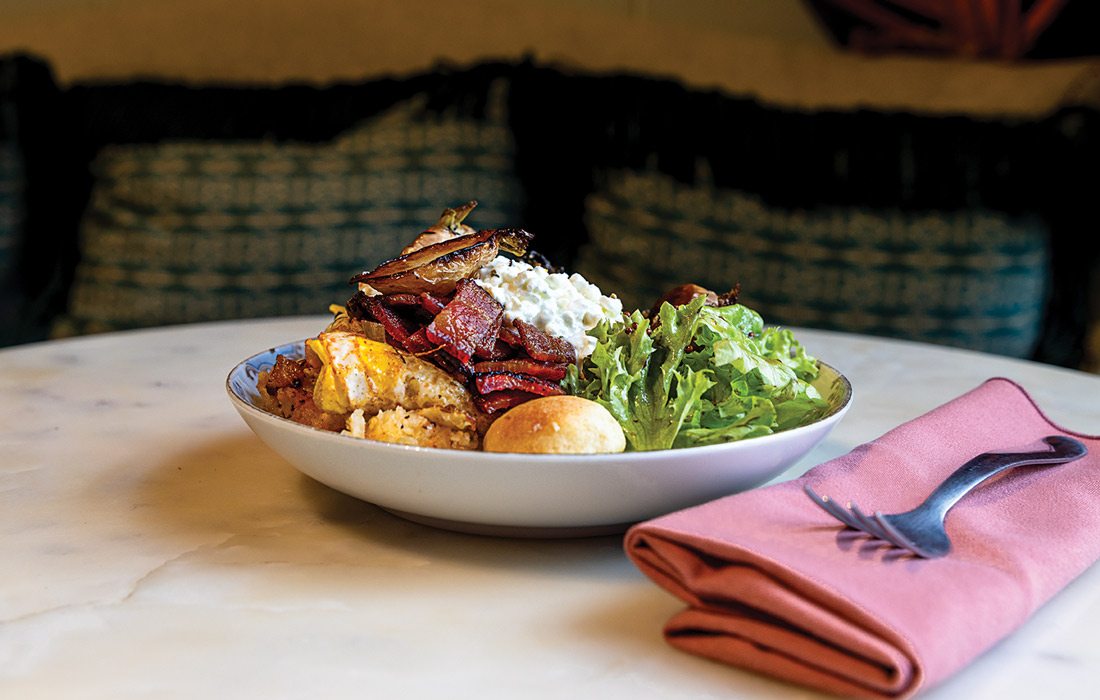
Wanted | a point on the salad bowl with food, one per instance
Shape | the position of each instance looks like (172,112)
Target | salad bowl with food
(468,385)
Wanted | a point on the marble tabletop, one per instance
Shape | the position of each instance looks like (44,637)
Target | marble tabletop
(152,546)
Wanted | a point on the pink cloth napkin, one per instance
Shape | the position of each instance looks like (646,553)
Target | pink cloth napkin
(774,585)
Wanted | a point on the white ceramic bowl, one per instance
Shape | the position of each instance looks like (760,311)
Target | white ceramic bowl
(527,495)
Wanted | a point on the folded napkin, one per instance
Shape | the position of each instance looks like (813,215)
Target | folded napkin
(774,585)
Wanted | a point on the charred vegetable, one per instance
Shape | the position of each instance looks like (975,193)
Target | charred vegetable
(437,268)
(449,226)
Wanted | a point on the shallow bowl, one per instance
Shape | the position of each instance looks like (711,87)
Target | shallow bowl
(527,495)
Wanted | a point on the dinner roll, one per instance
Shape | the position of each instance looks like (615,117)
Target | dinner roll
(556,425)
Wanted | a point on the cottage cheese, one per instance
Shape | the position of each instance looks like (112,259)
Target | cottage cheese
(559,304)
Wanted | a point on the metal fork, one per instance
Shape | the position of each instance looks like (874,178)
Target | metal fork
(921,530)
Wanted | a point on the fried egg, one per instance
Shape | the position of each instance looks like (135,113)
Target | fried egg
(362,374)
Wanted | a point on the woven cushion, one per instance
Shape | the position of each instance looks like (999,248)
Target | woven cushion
(201,230)
(970,279)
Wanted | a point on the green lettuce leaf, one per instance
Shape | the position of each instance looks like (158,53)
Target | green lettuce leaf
(698,375)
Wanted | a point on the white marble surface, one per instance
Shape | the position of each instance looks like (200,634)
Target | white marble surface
(151,546)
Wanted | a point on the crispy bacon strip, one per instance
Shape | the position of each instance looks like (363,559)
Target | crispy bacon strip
(418,344)
(502,400)
(358,306)
(397,328)
(499,351)
(471,320)
(551,371)
(501,381)
(432,303)
(542,346)
(510,336)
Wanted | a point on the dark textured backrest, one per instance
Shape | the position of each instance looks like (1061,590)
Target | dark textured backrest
(121,165)
(1025,177)
(217,203)
(28,100)
(974,279)
(185,231)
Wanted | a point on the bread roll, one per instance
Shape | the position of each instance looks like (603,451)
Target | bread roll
(556,425)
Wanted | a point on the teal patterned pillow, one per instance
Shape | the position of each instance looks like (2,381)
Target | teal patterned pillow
(973,279)
(190,231)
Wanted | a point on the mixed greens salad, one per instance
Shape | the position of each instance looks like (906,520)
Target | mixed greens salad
(698,375)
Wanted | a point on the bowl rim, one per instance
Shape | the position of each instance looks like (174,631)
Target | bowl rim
(241,403)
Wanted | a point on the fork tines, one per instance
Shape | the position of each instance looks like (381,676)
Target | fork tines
(856,519)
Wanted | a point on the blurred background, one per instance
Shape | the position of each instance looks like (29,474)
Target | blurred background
(917,169)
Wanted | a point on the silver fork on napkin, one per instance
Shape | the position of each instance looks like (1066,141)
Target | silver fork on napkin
(921,530)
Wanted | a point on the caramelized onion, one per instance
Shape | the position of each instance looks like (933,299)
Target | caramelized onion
(449,226)
(438,267)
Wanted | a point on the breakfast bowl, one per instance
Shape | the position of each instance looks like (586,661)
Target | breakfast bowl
(527,495)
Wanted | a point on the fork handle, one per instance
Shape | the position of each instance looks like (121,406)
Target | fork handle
(987,464)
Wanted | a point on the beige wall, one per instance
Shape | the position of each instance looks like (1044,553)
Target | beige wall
(341,39)
(778,55)
(778,19)
(785,20)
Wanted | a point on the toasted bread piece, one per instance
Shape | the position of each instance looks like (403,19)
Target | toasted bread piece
(424,428)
